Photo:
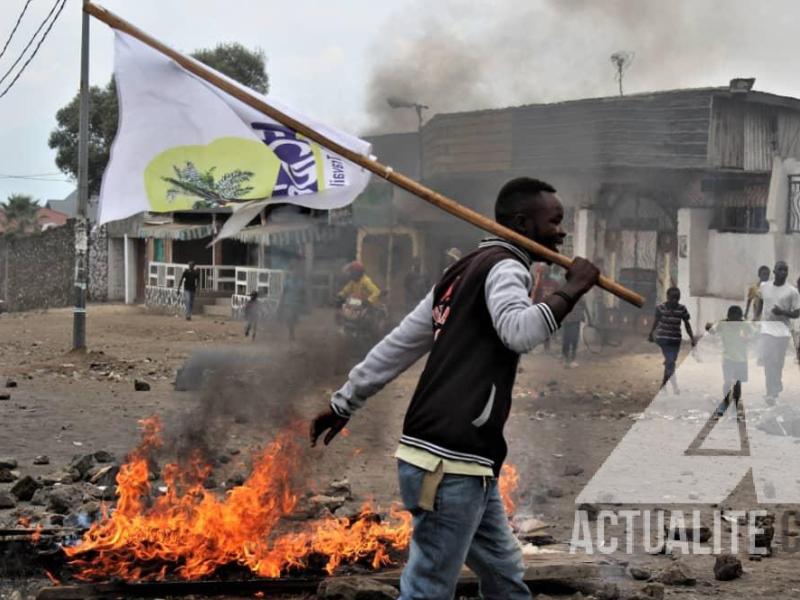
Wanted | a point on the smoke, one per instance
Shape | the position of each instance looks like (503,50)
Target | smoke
(266,388)
(462,55)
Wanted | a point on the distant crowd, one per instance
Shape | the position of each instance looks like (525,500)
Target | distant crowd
(772,307)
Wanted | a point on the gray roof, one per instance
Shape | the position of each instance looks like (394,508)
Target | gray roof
(69,206)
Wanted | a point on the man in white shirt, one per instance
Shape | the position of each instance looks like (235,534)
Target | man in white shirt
(781,303)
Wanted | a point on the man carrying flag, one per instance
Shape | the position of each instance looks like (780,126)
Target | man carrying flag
(475,323)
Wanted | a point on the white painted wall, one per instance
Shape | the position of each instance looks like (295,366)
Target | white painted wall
(116,269)
(733,260)
(131,276)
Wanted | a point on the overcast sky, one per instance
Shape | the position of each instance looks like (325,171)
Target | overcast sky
(339,60)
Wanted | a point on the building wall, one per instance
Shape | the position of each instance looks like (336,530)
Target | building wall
(733,260)
(98,265)
(116,269)
(38,268)
(715,269)
(131,257)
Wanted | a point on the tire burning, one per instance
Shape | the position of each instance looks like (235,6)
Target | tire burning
(189,533)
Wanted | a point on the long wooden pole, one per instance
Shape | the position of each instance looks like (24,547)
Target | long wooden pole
(398,179)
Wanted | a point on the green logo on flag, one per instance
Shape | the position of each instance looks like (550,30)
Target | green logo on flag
(226,170)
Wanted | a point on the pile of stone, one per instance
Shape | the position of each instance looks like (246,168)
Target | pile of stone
(69,497)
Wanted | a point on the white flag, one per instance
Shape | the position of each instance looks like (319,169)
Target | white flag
(182,143)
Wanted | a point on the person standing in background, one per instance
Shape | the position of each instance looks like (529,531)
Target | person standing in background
(754,299)
(189,279)
(781,304)
(666,333)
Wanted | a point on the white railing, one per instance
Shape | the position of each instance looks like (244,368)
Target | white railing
(240,282)
(220,278)
(267,282)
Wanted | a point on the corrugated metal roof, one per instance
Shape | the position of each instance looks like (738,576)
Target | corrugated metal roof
(175,231)
(285,234)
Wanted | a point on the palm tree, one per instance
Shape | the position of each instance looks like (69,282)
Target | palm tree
(207,188)
(20,212)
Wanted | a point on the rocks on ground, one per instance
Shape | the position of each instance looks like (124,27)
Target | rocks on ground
(689,533)
(141,386)
(7,500)
(677,573)
(25,488)
(6,462)
(355,588)
(727,568)
(7,475)
(639,573)
(63,499)
(653,590)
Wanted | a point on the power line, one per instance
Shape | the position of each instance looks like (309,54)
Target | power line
(13,31)
(37,178)
(30,42)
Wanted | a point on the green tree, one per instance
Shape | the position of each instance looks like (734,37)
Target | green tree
(237,62)
(20,213)
(245,66)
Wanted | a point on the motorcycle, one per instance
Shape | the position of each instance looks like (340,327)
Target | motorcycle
(360,323)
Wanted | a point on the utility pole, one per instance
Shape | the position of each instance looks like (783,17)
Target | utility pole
(81,222)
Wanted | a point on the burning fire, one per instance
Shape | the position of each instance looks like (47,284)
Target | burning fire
(508,482)
(189,533)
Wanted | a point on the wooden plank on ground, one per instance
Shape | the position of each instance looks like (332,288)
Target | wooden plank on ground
(571,572)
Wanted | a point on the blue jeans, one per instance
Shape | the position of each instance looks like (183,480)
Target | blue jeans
(188,302)
(468,525)
(670,350)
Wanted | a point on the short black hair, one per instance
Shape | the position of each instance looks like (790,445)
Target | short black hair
(735,313)
(673,289)
(513,194)
(764,268)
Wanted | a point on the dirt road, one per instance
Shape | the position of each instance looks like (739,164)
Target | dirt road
(563,424)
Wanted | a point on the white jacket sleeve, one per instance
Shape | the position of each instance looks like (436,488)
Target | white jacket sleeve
(411,339)
(521,324)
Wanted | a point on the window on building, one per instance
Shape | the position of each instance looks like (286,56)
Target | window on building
(741,211)
(741,219)
(793,218)
(158,250)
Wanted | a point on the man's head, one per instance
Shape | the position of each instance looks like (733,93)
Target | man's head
(191,265)
(763,273)
(532,208)
(673,295)
(735,313)
(354,271)
(781,272)
(254,296)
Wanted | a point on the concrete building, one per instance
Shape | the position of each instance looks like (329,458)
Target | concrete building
(692,187)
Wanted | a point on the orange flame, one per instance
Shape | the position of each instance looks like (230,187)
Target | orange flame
(509,480)
(189,533)
(52,578)
(37,534)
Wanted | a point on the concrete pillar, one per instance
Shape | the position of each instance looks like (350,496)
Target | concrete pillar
(131,276)
(585,223)
(693,228)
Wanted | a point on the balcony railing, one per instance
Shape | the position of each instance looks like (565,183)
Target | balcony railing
(220,278)
(240,282)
